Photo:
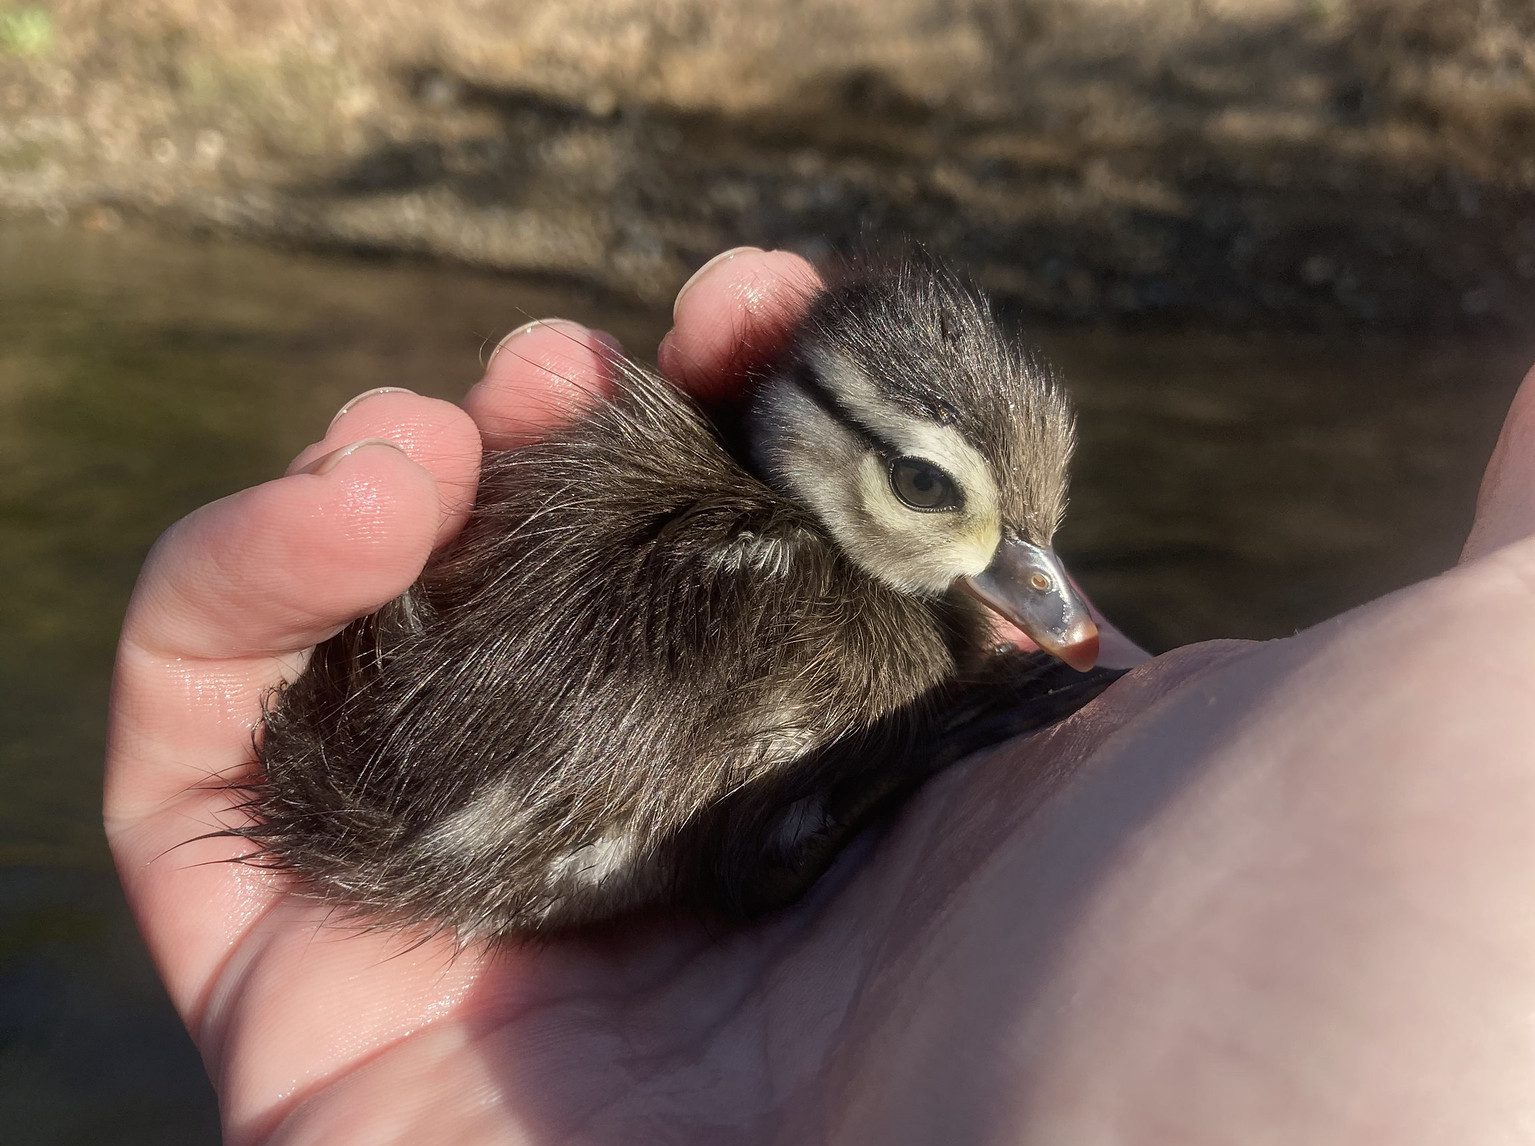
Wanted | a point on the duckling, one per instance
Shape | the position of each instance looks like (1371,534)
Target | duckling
(662,669)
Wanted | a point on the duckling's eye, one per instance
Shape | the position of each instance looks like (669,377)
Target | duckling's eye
(922,485)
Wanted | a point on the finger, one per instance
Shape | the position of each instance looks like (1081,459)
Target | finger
(1115,650)
(1505,507)
(538,376)
(225,598)
(300,971)
(232,590)
(282,566)
(438,436)
(732,315)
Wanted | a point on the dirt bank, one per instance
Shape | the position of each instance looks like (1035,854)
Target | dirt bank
(1258,162)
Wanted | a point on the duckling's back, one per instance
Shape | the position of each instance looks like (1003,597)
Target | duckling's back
(614,689)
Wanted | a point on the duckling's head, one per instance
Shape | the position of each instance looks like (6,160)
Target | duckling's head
(931,445)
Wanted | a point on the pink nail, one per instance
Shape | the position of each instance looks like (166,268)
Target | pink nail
(574,329)
(352,403)
(327,462)
(722,257)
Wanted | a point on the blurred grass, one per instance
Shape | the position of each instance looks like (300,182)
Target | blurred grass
(25,31)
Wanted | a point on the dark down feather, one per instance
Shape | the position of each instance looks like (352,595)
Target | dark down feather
(643,677)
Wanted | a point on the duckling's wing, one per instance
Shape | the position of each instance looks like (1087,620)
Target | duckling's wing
(629,626)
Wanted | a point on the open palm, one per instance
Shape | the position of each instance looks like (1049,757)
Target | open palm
(1257,893)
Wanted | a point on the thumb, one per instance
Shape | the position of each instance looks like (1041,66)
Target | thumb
(1505,507)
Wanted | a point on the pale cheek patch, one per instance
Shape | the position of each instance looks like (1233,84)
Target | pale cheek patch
(848,486)
(973,550)
(945,446)
(880,502)
(926,551)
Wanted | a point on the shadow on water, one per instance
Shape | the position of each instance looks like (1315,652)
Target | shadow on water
(1228,485)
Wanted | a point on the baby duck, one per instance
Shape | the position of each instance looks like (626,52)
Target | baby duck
(655,672)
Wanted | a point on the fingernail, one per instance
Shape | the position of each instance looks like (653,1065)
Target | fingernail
(324,464)
(665,351)
(574,329)
(722,257)
(352,403)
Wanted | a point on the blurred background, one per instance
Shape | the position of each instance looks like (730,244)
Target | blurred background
(1283,248)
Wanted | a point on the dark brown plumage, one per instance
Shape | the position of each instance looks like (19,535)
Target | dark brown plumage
(645,675)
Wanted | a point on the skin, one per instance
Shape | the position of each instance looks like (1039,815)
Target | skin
(1267,893)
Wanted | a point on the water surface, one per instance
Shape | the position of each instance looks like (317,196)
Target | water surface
(1229,484)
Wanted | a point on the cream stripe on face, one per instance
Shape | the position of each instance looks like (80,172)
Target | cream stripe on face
(822,451)
(944,446)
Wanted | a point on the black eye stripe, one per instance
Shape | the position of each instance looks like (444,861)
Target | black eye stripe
(917,483)
(812,387)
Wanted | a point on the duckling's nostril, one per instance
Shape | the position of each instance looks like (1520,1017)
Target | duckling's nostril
(1041,583)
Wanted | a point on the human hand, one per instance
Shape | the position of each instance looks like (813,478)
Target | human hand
(1253,892)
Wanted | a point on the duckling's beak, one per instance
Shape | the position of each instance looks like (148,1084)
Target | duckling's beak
(1028,586)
